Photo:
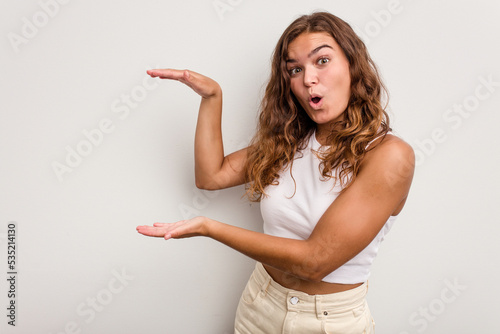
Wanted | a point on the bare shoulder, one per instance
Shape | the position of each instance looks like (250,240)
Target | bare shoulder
(391,156)
(391,147)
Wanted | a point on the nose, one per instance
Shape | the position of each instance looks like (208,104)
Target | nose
(310,76)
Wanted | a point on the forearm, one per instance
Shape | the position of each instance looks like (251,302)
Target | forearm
(302,258)
(209,150)
(288,255)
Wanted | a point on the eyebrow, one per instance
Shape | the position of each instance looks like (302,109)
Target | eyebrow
(312,53)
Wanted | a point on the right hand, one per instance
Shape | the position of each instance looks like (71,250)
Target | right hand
(202,85)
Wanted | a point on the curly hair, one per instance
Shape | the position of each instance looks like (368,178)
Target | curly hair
(284,127)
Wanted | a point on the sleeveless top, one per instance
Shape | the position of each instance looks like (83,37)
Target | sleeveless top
(296,216)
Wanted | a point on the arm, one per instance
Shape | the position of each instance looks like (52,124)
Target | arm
(347,227)
(212,169)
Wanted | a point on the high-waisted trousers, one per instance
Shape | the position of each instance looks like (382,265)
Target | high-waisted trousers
(267,307)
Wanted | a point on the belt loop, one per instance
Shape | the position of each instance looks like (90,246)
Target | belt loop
(319,307)
(265,286)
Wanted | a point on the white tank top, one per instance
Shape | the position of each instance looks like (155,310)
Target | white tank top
(296,216)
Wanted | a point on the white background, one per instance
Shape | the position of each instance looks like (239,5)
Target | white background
(76,234)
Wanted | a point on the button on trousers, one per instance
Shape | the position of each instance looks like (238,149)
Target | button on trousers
(267,307)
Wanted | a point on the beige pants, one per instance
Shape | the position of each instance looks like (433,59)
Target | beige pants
(267,307)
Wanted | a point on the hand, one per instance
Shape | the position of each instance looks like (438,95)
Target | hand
(182,229)
(202,85)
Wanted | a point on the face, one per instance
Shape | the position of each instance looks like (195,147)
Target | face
(319,77)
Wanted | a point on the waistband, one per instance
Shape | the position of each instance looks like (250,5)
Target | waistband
(338,302)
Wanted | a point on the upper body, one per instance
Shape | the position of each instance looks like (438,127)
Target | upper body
(292,208)
(323,87)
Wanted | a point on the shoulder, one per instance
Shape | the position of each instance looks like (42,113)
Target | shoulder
(391,146)
(390,155)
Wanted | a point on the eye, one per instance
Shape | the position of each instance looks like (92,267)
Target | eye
(323,61)
(294,71)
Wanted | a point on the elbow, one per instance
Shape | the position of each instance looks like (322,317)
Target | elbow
(314,271)
(310,275)
(316,264)
(203,185)
(200,185)
(316,276)
(210,182)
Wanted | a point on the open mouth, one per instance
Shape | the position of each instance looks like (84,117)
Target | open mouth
(316,102)
(316,99)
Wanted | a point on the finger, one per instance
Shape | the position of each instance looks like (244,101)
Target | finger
(164,73)
(151,231)
(168,224)
(168,73)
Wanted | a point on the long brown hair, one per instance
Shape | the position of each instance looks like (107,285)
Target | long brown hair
(284,127)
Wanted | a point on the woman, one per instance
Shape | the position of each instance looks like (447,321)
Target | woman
(330,176)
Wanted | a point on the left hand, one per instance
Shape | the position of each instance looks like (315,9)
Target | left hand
(182,229)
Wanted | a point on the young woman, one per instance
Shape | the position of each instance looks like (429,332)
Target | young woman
(329,175)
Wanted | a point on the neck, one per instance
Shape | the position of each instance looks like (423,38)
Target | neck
(321,138)
(326,129)
(322,133)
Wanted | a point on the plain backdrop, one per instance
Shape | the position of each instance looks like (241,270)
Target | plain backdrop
(91,148)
